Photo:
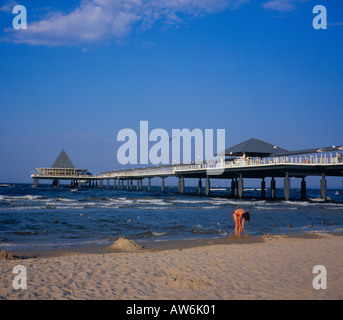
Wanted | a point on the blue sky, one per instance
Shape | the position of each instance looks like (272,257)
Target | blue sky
(83,70)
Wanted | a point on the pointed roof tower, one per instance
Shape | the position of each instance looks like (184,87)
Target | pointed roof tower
(63,161)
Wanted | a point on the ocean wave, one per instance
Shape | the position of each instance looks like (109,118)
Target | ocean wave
(150,233)
(26,197)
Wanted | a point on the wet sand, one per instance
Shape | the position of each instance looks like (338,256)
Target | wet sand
(268,267)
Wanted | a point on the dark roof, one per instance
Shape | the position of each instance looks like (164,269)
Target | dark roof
(313,150)
(254,148)
(63,161)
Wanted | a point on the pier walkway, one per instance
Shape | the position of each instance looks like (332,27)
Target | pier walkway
(234,165)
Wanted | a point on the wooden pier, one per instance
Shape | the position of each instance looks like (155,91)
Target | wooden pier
(252,159)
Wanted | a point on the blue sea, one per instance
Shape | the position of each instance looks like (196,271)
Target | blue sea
(47,218)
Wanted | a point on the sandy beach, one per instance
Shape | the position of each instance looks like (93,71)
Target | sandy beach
(272,267)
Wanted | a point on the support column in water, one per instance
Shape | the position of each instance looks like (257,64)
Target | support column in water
(240,187)
(232,187)
(235,188)
(263,189)
(162,184)
(108,183)
(199,187)
(272,188)
(122,184)
(207,188)
(149,184)
(140,184)
(127,184)
(137,186)
(287,187)
(303,189)
(323,187)
(182,185)
(114,183)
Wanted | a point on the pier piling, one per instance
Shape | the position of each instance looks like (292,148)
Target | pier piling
(199,186)
(162,184)
(287,187)
(323,187)
(303,189)
(208,185)
(272,188)
(182,185)
(263,189)
(240,187)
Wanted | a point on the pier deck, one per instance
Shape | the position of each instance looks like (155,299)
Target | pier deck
(288,166)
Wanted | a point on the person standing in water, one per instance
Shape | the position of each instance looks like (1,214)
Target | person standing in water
(239,217)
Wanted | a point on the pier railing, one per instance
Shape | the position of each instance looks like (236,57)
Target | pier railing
(301,159)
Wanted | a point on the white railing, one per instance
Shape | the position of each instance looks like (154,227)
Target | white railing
(309,159)
(301,159)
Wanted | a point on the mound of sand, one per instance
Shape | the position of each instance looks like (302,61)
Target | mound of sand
(125,245)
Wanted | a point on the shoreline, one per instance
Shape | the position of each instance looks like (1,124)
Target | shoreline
(161,245)
(264,268)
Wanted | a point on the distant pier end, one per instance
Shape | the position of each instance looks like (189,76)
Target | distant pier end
(62,169)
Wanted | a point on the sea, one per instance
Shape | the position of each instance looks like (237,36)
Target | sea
(55,218)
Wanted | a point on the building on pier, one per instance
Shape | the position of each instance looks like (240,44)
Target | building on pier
(62,169)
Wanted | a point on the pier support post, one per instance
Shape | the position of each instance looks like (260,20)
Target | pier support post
(182,185)
(233,188)
(149,184)
(263,189)
(303,189)
(130,184)
(287,187)
(114,184)
(240,187)
(137,186)
(127,184)
(207,187)
(199,186)
(272,188)
(179,185)
(323,187)
(162,184)
(140,184)
(108,183)
(35,182)
(122,184)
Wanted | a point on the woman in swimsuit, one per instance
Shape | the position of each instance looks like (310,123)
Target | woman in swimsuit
(239,216)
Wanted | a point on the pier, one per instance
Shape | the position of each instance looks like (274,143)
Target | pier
(251,159)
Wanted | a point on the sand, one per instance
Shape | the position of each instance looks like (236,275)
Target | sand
(275,267)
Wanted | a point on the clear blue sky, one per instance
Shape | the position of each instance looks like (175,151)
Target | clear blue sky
(83,70)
